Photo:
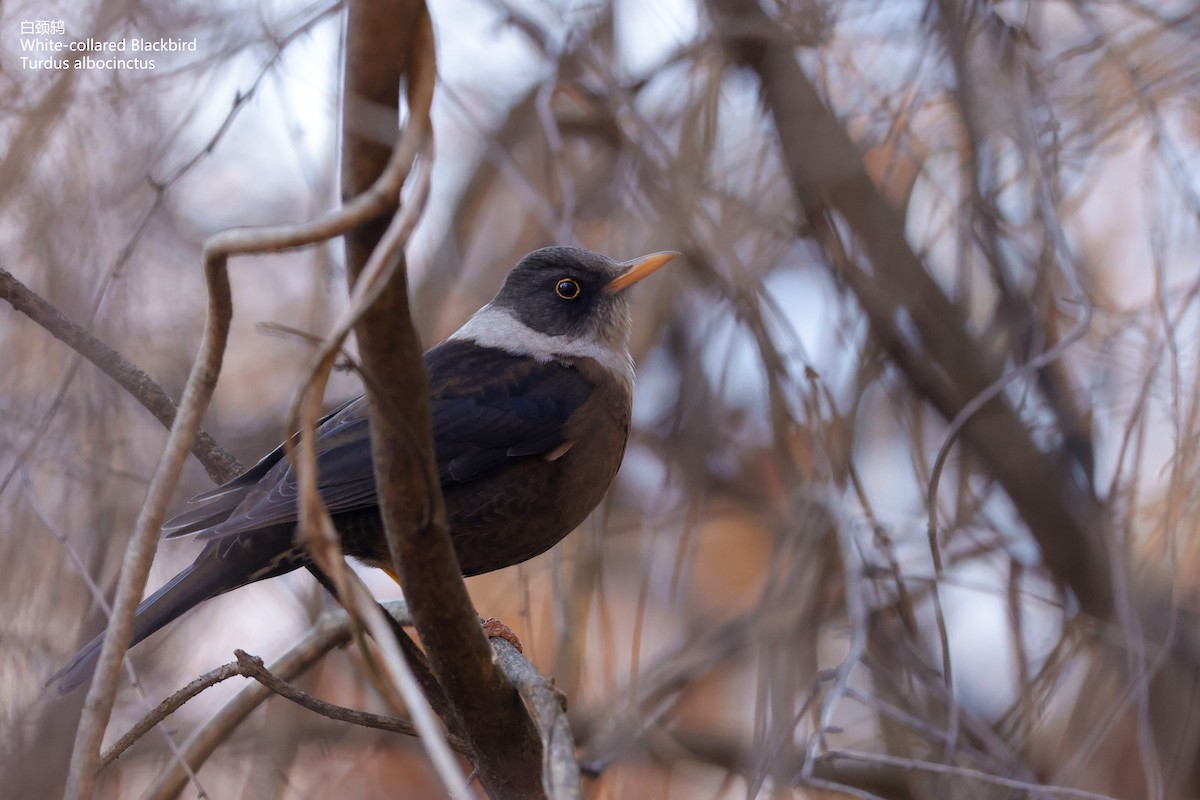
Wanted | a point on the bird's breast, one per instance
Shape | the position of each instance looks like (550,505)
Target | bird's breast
(528,507)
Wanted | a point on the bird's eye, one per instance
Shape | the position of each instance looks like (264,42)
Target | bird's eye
(567,288)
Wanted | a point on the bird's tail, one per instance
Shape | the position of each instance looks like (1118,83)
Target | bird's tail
(204,579)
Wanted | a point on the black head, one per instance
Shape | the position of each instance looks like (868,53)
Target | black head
(572,292)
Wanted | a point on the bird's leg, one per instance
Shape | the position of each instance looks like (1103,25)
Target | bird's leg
(495,629)
(492,627)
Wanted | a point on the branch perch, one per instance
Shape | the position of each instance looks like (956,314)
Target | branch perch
(331,631)
(492,717)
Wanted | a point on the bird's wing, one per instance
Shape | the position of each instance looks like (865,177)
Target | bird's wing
(216,505)
(489,409)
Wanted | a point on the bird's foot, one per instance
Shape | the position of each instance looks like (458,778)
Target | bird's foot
(495,629)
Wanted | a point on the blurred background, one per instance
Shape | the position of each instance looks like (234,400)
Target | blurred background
(758,609)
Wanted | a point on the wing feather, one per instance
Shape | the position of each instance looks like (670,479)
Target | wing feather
(489,409)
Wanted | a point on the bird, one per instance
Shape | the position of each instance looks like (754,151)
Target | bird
(530,400)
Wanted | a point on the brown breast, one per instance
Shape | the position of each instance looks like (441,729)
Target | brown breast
(526,509)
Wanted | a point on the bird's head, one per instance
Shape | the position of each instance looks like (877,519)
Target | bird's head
(564,302)
(574,293)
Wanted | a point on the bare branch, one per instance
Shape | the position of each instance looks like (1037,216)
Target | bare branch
(914,320)
(332,630)
(961,772)
(168,707)
(252,667)
(220,464)
(499,730)
(560,768)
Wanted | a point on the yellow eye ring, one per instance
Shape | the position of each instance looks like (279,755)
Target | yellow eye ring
(567,289)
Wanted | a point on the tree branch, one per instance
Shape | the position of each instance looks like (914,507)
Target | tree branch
(560,767)
(252,667)
(493,720)
(912,318)
(168,707)
(218,463)
(332,630)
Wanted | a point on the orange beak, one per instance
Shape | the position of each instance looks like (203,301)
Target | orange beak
(637,269)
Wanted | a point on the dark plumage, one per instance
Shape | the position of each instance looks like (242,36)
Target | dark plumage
(530,403)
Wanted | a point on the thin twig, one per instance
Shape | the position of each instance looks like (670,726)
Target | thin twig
(168,707)
(218,462)
(961,772)
(914,320)
(331,631)
(252,667)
